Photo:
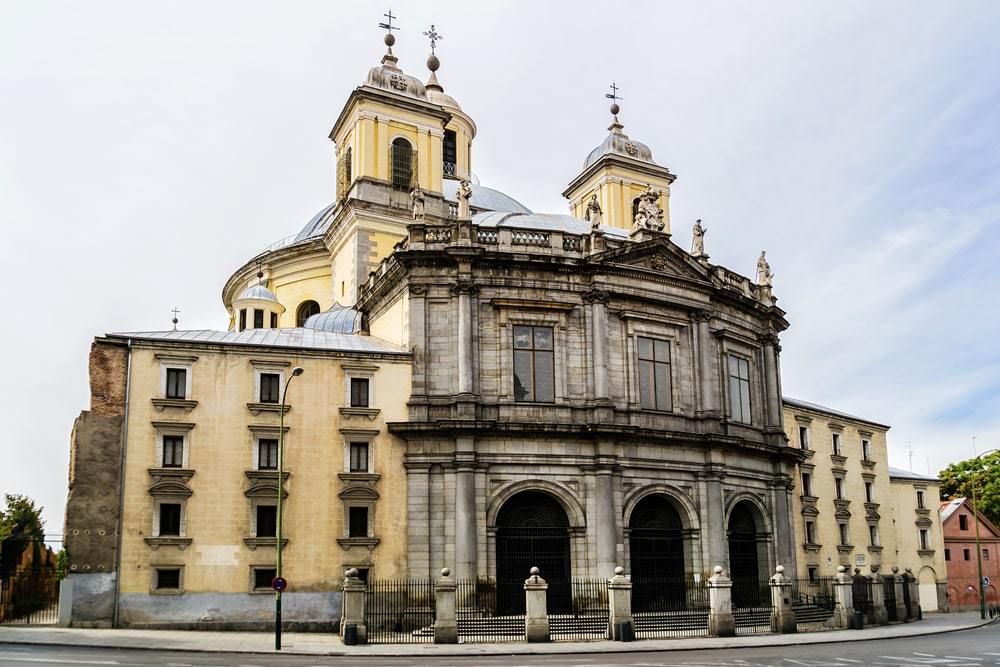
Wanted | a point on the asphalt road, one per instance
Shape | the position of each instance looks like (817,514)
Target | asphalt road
(967,648)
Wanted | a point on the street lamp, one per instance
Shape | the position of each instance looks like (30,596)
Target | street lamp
(979,550)
(278,583)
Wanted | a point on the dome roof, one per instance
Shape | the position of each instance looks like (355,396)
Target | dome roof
(390,78)
(618,143)
(338,319)
(545,222)
(257,292)
(442,99)
(485,198)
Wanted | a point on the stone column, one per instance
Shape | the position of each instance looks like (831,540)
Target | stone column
(606,530)
(843,613)
(773,400)
(713,532)
(721,622)
(354,605)
(598,300)
(707,378)
(911,581)
(784,539)
(536,616)
(782,612)
(466,528)
(463,289)
(418,519)
(619,604)
(898,582)
(445,621)
(879,613)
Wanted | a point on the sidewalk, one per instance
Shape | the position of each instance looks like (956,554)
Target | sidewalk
(322,644)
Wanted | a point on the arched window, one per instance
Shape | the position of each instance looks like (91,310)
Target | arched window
(306,310)
(402,164)
(635,208)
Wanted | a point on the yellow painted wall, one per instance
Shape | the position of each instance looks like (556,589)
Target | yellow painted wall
(924,565)
(616,188)
(392,324)
(217,515)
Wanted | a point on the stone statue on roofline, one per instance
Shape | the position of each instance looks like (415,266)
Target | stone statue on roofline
(698,239)
(764,275)
(417,202)
(594,213)
(649,215)
(464,195)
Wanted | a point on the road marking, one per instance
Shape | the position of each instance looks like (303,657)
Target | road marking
(56,661)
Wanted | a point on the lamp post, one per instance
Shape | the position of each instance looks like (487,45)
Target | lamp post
(297,371)
(979,550)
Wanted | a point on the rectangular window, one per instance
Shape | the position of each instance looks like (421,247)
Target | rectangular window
(844,535)
(739,389)
(267,454)
(986,554)
(358,522)
(243,319)
(866,450)
(170,519)
(810,532)
(173,451)
(869,492)
(359,392)
(359,457)
(813,574)
(925,542)
(966,554)
(258,318)
(176,383)
(274,320)
(270,384)
(534,370)
(838,483)
(836,444)
(450,152)
(267,521)
(963,522)
(806,484)
(654,374)
(262,578)
(920,500)
(168,579)
(804,437)
(947,554)
(873,535)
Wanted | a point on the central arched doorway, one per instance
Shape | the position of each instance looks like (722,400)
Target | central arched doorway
(656,555)
(744,560)
(532,531)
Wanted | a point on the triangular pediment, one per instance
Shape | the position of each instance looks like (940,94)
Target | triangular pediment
(659,255)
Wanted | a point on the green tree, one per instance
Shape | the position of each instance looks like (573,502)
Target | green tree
(957,479)
(21,509)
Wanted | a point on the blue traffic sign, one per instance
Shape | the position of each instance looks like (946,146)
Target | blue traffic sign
(279,584)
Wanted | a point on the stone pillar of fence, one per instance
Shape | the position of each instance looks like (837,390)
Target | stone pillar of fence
(536,616)
(911,581)
(879,613)
(354,605)
(843,612)
(782,611)
(899,582)
(445,621)
(619,604)
(721,622)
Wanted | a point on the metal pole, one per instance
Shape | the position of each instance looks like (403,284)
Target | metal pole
(281,487)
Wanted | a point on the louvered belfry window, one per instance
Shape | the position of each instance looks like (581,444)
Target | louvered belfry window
(403,162)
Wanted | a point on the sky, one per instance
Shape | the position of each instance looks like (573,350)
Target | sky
(148,149)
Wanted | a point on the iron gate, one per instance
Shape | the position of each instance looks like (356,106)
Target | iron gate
(889,593)
(399,611)
(29,596)
(520,549)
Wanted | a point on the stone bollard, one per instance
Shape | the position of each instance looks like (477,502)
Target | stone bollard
(619,604)
(445,621)
(721,622)
(843,613)
(879,613)
(782,611)
(899,583)
(911,581)
(536,616)
(354,605)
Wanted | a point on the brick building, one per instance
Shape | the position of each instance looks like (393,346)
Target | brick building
(957,521)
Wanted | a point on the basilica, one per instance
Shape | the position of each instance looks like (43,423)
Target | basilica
(431,375)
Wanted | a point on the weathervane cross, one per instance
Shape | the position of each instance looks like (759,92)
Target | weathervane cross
(175,312)
(434,36)
(613,95)
(389,26)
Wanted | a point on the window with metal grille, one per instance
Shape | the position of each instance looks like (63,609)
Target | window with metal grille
(357,521)
(402,164)
(173,451)
(258,318)
(986,554)
(359,457)
(359,392)
(243,319)
(262,577)
(269,387)
(267,454)
(739,389)
(344,174)
(306,310)
(170,519)
(176,383)
(168,578)
(534,372)
(267,520)
(654,374)
(450,152)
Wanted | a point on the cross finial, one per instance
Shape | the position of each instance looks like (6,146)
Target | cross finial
(613,95)
(175,312)
(388,24)
(434,36)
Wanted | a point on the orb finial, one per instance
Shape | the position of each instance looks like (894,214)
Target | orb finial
(619,571)
(175,311)
(534,571)
(613,96)
(390,39)
(445,572)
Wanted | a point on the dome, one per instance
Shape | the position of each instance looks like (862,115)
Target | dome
(258,292)
(392,79)
(442,99)
(338,319)
(486,199)
(618,143)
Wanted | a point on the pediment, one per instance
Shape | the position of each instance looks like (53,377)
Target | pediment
(169,487)
(810,510)
(659,255)
(362,493)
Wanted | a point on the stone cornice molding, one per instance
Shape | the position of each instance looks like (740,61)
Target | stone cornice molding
(464,286)
(595,295)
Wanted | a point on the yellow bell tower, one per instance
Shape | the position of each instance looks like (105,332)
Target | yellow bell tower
(620,172)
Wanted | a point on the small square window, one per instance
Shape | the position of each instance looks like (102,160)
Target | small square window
(267,454)
(168,578)
(173,451)
(359,392)
(359,457)
(358,522)
(262,578)
(270,385)
(176,383)
(267,521)
(170,519)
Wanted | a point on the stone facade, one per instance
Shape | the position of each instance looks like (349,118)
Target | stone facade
(919,538)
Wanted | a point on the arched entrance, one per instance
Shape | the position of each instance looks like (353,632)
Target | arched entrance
(532,531)
(744,556)
(656,555)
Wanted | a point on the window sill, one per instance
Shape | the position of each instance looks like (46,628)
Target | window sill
(923,511)
(845,548)
(162,404)
(814,548)
(369,477)
(808,453)
(254,542)
(875,548)
(166,591)
(257,408)
(367,542)
(838,458)
(370,413)
(925,552)
(868,463)
(181,543)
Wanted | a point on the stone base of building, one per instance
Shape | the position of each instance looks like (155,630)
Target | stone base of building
(301,612)
(90,599)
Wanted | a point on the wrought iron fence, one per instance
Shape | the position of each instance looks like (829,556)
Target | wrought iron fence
(889,596)
(752,606)
(669,607)
(29,596)
(589,616)
(399,611)
(813,600)
(477,617)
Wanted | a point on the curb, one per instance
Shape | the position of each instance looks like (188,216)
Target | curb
(600,647)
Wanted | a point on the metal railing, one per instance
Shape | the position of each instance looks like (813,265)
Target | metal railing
(29,597)
(399,611)
(589,616)
(477,617)
(669,607)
